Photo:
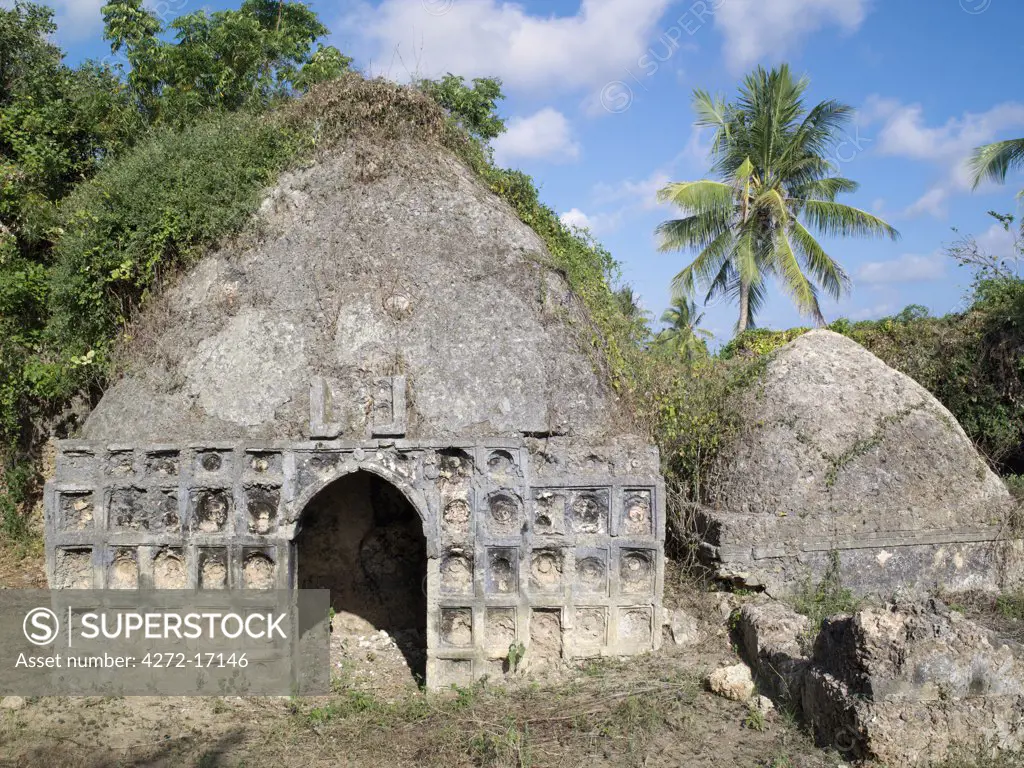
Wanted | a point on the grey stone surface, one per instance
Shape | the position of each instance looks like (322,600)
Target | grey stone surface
(772,639)
(903,684)
(733,682)
(919,652)
(838,451)
(418,271)
(900,684)
(685,629)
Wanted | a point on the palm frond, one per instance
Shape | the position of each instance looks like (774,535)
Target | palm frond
(692,232)
(994,161)
(704,269)
(697,196)
(831,218)
(825,270)
(824,189)
(793,280)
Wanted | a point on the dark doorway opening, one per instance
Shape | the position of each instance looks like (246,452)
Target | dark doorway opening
(363,540)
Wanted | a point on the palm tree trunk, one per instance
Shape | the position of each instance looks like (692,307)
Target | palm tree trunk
(744,307)
(744,285)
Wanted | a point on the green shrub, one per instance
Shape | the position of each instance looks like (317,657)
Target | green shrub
(1015,484)
(147,214)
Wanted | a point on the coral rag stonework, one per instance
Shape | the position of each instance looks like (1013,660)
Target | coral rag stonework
(570,565)
(385,390)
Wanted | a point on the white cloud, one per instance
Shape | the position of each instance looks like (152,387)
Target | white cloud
(873,312)
(543,135)
(576,218)
(933,202)
(754,29)
(642,194)
(905,133)
(480,38)
(998,241)
(908,268)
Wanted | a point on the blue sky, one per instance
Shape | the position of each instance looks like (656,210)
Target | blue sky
(598,103)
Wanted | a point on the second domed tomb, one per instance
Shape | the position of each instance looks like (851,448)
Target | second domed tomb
(386,391)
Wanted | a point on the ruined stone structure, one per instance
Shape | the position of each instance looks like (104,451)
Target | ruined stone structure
(900,683)
(840,456)
(381,390)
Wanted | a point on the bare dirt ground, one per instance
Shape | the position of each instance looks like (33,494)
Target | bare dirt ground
(647,711)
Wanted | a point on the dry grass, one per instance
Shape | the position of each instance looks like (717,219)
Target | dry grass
(372,109)
(1002,613)
(649,711)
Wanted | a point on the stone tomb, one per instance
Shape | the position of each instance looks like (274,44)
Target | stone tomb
(569,565)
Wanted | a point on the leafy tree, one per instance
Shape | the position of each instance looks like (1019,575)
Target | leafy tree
(775,184)
(474,109)
(684,336)
(226,60)
(56,124)
(910,313)
(57,127)
(62,272)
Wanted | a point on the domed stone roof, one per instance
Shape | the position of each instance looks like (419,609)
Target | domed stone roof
(375,261)
(839,454)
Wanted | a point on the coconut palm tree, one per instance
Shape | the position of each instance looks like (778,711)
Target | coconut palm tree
(684,336)
(774,184)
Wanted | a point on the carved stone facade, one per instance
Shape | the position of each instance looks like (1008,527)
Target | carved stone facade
(570,563)
(416,328)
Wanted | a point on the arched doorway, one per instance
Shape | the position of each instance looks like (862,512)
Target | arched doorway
(362,539)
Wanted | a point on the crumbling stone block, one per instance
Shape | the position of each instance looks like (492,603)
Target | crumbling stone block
(733,682)
(457,572)
(123,572)
(774,641)
(213,568)
(502,576)
(169,569)
(262,507)
(545,635)
(905,683)
(73,568)
(839,453)
(77,510)
(546,567)
(499,631)
(259,570)
(211,510)
(457,627)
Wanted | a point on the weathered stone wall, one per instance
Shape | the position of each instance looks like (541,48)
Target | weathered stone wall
(385,312)
(840,453)
(525,541)
(376,261)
